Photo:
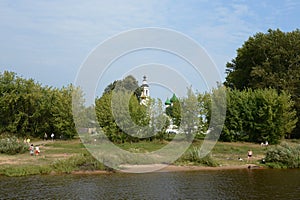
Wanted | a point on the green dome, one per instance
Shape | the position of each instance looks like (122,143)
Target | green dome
(174,98)
(168,102)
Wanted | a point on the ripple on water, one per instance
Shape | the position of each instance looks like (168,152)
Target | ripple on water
(227,184)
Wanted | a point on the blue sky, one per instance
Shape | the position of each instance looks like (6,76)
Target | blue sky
(49,40)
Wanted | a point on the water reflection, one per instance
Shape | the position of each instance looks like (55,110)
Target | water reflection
(228,184)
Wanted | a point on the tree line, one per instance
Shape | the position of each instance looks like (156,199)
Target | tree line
(269,60)
(251,115)
(30,109)
(261,103)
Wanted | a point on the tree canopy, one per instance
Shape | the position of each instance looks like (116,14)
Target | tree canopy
(30,109)
(258,115)
(269,60)
(119,113)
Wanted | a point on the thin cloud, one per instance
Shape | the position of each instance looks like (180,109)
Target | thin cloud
(59,35)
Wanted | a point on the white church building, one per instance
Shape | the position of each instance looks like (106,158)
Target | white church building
(145,91)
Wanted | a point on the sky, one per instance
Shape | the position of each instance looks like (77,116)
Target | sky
(50,41)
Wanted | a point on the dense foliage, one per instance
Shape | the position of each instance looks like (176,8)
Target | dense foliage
(258,116)
(283,156)
(30,109)
(269,60)
(174,111)
(263,103)
(251,115)
(122,117)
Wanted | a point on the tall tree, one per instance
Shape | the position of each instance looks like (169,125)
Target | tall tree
(29,109)
(258,115)
(119,112)
(190,114)
(203,101)
(269,60)
(158,120)
(129,83)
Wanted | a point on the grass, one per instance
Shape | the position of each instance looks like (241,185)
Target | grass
(51,152)
(74,163)
(67,156)
(143,146)
(24,170)
(229,153)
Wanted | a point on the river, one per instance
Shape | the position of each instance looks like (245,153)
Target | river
(223,184)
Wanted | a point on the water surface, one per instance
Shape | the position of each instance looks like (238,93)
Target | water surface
(223,184)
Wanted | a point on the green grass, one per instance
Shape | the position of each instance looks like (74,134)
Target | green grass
(73,163)
(229,153)
(24,170)
(65,147)
(143,146)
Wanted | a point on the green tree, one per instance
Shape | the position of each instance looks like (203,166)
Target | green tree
(20,101)
(190,114)
(235,114)
(105,117)
(129,83)
(62,117)
(203,102)
(120,114)
(158,120)
(29,109)
(258,115)
(269,60)
(217,111)
(174,110)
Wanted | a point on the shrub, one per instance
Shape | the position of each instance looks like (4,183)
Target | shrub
(77,162)
(193,155)
(11,145)
(283,156)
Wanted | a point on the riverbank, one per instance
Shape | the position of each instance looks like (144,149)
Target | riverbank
(180,168)
(169,168)
(59,157)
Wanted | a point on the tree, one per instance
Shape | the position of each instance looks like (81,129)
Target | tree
(236,113)
(158,120)
(258,115)
(268,60)
(217,111)
(29,109)
(174,110)
(20,101)
(61,115)
(104,116)
(129,83)
(120,114)
(190,114)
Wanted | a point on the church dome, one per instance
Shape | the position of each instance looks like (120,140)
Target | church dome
(173,98)
(168,102)
(144,83)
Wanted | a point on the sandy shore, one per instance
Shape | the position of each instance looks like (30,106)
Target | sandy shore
(167,168)
(174,168)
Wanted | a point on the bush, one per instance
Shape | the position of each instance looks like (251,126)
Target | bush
(11,146)
(77,162)
(193,155)
(283,156)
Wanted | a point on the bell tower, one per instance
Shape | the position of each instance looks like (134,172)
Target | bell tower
(145,91)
